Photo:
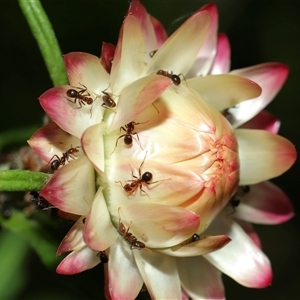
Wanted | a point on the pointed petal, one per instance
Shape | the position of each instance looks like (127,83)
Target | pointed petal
(107,56)
(271,77)
(203,246)
(50,140)
(221,64)
(78,261)
(169,57)
(70,116)
(241,259)
(159,273)
(129,56)
(224,91)
(264,120)
(263,155)
(60,191)
(138,10)
(124,279)
(207,52)
(265,204)
(99,233)
(85,68)
(249,229)
(158,226)
(200,279)
(73,239)
(160,32)
(136,97)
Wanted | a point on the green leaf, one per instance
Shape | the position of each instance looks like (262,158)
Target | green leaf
(42,31)
(22,180)
(38,238)
(13,252)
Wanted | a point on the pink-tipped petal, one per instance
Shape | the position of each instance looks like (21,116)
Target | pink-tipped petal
(84,68)
(263,155)
(224,91)
(78,261)
(158,226)
(136,97)
(160,32)
(129,56)
(207,52)
(138,10)
(107,56)
(200,279)
(169,57)
(241,259)
(203,246)
(73,239)
(60,191)
(264,120)
(99,233)
(265,204)
(51,140)
(159,274)
(67,115)
(221,64)
(124,279)
(271,77)
(249,229)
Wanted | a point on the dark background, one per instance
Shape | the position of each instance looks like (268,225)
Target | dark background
(259,31)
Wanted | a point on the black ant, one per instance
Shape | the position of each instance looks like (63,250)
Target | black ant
(194,238)
(234,201)
(108,102)
(103,257)
(138,181)
(129,237)
(79,95)
(129,129)
(65,157)
(41,202)
(174,78)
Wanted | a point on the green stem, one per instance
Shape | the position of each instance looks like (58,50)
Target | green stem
(42,30)
(22,180)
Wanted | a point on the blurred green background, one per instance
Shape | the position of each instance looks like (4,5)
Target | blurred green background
(259,31)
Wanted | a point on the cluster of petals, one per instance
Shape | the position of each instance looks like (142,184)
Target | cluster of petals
(200,139)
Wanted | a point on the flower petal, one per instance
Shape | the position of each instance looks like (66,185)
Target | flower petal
(107,56)
(129,56)
(161,35)
(263,155)
(70,117)
(265,204)
(169,57)
(60,191)
(224,91)
(249,229)
(124,279)
(136,97)
(200,279)
(207,52)
(78,261)
(158,226)
(203,246)
(264,120)
(51,140)
(73,239)
(221,64)
(271,77)
(99,233)
(241,259)
(159,273)
(85,68)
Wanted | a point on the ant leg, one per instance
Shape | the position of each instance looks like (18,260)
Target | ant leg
(117,143)
(135,133)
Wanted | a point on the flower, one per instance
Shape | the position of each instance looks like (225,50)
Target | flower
(151,159)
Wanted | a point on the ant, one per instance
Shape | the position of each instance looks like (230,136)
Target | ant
(108,102)
(129,237)
(41,202)
(103,257)
(65,157)
(152,53)
(79,95)
(194,238)
(129,129)
(174,78)
(138,181)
